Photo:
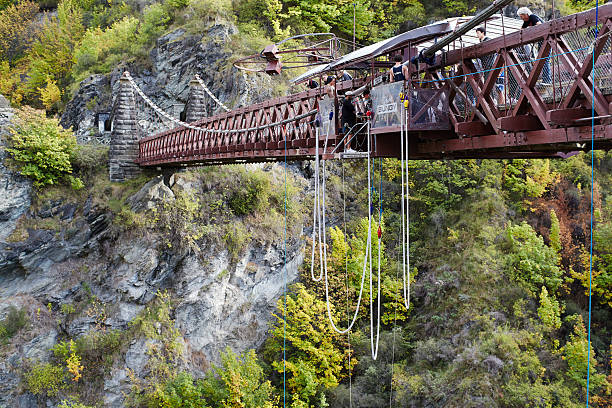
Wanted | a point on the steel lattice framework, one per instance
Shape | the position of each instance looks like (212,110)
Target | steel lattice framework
(522,106)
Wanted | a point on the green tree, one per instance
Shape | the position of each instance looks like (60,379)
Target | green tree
(52,54)
(527,179)
(529,260)
(549,310)
(316,356)
(41,148)
(575,354)
(239,382)
(179,392)
(555,232)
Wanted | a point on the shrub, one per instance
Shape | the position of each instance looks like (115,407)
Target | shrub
(253,194)
(205,10)
(41,148)
(530,261)
(67,353)
(15,30)
(236,239)
(179,392)
(45,379)
(575,354)
(88,160)
(549,310)
(14,321)
(71,403)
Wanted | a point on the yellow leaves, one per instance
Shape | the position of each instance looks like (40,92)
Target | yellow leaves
(50,94)
(549,310)
(73,363)
(14,26)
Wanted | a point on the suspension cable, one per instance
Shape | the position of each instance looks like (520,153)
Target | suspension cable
(214,98)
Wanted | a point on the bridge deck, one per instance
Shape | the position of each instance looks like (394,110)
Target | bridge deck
(455,111)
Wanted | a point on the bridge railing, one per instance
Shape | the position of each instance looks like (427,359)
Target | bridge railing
(259,131)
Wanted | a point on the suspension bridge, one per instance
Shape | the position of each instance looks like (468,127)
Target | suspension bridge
(523,93)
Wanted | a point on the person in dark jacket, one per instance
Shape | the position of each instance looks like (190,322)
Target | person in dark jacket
(529,19)
(532,20)
(486,60)
(398,72)
(349,118)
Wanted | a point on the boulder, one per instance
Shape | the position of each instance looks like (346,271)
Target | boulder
(151,195)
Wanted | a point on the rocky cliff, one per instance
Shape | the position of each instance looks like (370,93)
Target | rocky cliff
(70,262)
(165,78)
(71,253)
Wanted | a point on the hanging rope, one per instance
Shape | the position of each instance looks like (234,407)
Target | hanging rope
(374,347)
(346,282)
(320,197)
(405,206)
(214,98)
(592,196)
(365,260)
(316,217)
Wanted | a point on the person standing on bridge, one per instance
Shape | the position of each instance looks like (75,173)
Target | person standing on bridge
(487,60)
(532,20)
(398,72)
(330,86)
(349,119)
(486,64)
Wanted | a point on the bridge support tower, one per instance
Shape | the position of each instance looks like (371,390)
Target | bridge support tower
(123,155)
(196,102)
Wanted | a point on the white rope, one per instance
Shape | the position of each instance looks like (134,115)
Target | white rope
(374,349)
(348,335)
(316,214)
(214,98)
(367,256)
(405,207)
(322,237)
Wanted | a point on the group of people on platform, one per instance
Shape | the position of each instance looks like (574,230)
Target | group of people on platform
(353,107)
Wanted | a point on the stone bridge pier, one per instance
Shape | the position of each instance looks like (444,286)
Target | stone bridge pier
(125,134)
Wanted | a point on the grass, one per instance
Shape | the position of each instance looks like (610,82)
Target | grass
(15,320)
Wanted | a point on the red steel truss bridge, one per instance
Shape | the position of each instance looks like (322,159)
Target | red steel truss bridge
(524,93)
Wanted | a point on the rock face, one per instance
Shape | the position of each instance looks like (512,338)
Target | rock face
(218,303)
(175,59)
(47,268)
(14,189)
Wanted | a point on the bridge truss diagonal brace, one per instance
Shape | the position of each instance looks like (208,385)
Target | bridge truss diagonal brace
(484,99)
(528,84)
(582,71)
